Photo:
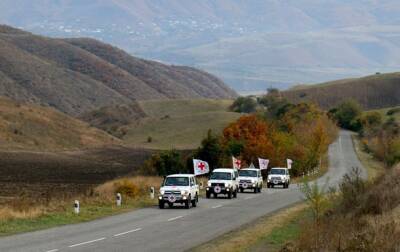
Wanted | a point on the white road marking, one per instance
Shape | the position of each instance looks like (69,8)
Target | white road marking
(53,250)
(84,243)
(128,232)
(175,218)
(217,206)
(247,198)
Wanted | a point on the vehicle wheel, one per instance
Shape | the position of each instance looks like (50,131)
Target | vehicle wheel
(215,195)
(194,202)
(260,189)
(241,190)
(161,204)
(208,195)
(170,205)
(187,203)
(229,195)
(235,194)
(255,189)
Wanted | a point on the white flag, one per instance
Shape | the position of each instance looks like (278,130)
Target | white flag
(289,163)
(263,163)
(237,164)
(200,167)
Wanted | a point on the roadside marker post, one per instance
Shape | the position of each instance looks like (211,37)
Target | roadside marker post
(76,207)
(119,199)
(152,192)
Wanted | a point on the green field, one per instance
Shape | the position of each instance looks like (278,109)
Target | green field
(179,124)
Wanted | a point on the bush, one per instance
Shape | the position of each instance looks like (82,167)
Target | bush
(244,105)
(347,114)
(127,188)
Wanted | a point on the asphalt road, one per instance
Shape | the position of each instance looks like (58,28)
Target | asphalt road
(152,229)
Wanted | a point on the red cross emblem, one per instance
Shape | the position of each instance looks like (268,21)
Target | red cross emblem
(201,166)
(237,163)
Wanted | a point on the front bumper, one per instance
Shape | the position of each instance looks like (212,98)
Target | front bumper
(247,185)
(175,199)
(224,190)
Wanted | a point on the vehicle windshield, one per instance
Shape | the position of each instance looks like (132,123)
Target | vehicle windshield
(221,176)
(278,171)
(176,181)
(247,173)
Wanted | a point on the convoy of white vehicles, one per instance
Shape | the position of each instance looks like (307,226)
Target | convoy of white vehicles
(183,188)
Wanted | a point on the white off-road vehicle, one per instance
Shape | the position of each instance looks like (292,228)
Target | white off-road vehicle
(251,179)
(179,188)
(223,181)
(278,176)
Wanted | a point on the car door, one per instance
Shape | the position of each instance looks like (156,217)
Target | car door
(193,187)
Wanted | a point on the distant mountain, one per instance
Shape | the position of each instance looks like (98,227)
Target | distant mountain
(372,92)
(251,44)
(79,75)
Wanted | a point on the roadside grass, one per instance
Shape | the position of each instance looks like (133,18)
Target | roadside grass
(374,167)
(265,234)
(23,215)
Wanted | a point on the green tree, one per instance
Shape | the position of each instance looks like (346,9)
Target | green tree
(347,115)
(210,150)
(164,163)
(244,105)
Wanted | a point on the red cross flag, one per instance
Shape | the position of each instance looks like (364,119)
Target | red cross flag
(200,167)
(263,163)
(289,163)
(237,164)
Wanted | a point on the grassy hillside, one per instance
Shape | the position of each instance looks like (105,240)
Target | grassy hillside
(28,126)
(180,124)
(372,92)
(79,75)
(384,112)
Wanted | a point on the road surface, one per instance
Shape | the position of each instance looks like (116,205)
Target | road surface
(152,229)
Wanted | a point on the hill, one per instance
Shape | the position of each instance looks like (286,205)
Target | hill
(251,44)
(32,127)
(79,75)
(180,124)
(372,92)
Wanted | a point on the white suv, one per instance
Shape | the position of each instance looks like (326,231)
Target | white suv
(250,179)
(179,188)
(223,181)
(278,176)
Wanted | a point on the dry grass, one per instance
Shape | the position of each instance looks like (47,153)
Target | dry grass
(373,166)
(27,208)
(249,235)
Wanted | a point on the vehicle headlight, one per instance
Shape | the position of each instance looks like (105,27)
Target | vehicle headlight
(185,192)
(226,185)
(254,184)
(162,192)
(209,183)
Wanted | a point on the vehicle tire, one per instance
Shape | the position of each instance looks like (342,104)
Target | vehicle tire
(268,185)
(194,202)
(255,189)
(229,195)
(241,190)
(170,205)
(208,195)
(161,204)
(215,195)
(235,193)
(187,203)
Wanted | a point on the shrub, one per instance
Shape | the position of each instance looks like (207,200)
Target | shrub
(127,188)
(244,105)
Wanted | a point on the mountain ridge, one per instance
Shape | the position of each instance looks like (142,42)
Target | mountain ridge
(79,75)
